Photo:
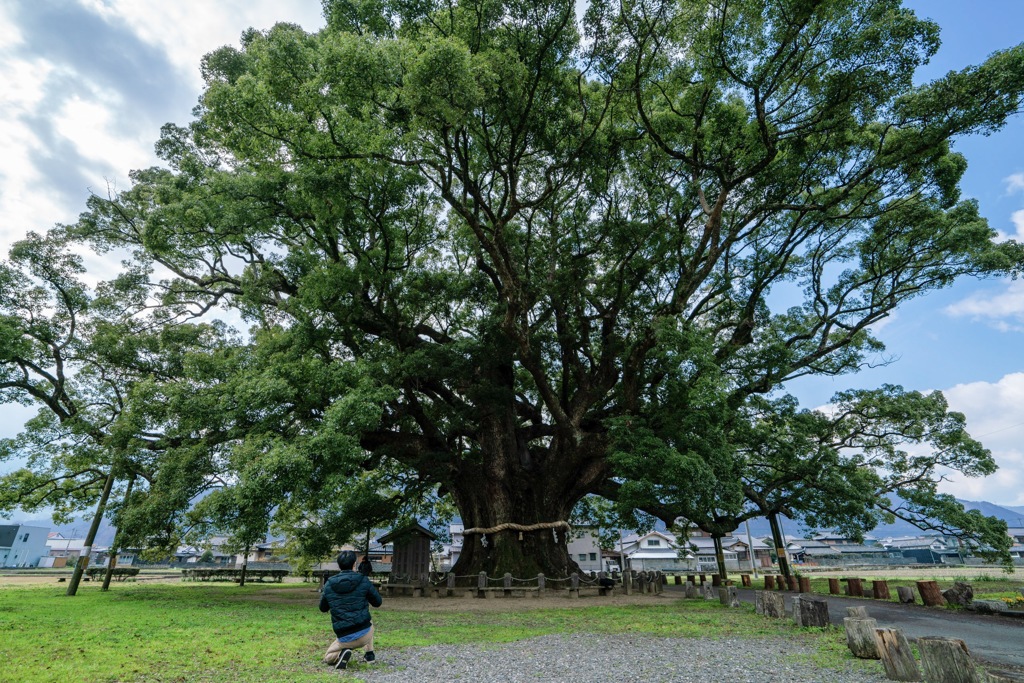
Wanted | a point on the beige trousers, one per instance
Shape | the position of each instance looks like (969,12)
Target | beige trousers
(334,651)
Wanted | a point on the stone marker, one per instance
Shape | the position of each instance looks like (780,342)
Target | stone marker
(709,592)
(810,612)
(691,590)
(860,637)
(960,594)
(905,594)
(759,602)
(774,605)
(989,606)
(896,655)
(946,660)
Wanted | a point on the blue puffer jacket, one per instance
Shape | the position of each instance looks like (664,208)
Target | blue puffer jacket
(348,596)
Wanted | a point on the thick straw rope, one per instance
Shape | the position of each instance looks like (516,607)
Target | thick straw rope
(483,531)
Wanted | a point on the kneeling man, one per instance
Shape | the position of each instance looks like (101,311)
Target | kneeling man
(348,596)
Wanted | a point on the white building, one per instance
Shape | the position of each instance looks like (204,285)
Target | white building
(22,546)
(70,548)
(585,548)
(657,551)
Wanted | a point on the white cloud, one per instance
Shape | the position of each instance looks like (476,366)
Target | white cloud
(1005,309)
(994,417)
(1014,183)
(187,29)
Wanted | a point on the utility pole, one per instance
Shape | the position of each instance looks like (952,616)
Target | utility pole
(750,548)
(83,559)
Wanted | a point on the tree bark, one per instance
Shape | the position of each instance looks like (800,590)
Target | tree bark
(860,637)
(931,596)
(896,655)
(83,559)
(946,660)
(245,566)
(513,485)
(116,545)
(723,573)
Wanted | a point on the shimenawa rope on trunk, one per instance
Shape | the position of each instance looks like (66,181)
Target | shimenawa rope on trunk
(483,531)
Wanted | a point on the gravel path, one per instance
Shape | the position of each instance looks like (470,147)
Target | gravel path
(619,658)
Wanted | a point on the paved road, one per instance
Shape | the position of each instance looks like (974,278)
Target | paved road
(991,639)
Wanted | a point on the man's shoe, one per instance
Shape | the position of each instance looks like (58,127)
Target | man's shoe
(369,656)
(346,655)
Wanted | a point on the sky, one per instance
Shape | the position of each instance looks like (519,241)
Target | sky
(86,84)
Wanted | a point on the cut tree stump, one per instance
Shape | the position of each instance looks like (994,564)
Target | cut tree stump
(931,596)
(855,588)
(906,594)
(880,589)
(794,584)
(857,612)
(896,655)
(810,612)
(860,637)
(774,605)
(1004,677)
(769,583)
(833,586)
(946,660)
(805,584)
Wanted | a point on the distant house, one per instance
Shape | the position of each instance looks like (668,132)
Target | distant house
(657,551)
(924,549)
(22,546)
(125,556)
(585,548)
(68,548)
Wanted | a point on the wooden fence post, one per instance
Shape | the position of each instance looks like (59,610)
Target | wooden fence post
(716,580)
(833,586)
(931,596)
(896,655)
(946,660)
(450,585)
(769,583)
(855,588)
(507,584)
(794,584)
(805,584)
(880,589)
(541,584)
(574,585)
(481,584)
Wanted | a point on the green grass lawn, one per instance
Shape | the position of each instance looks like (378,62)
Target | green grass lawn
(210,632)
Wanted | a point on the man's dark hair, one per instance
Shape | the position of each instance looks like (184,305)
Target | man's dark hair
(346,559)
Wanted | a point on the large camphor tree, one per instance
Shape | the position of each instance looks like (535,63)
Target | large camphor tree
(482,244)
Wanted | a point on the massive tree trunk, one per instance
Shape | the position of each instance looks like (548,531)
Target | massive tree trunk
(513,483)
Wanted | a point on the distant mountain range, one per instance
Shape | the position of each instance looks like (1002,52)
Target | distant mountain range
(1013,515)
